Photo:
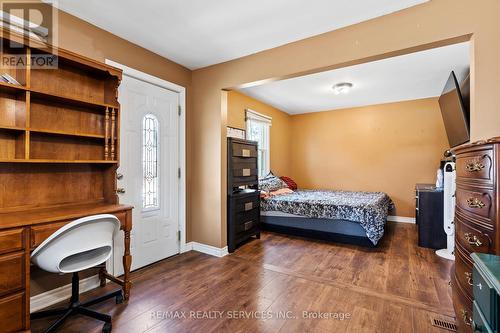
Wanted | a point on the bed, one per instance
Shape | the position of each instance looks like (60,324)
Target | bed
(341,216)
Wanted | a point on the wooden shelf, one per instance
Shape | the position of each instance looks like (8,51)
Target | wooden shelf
(66,133)
(70,100)
(12,128)
(9,87)
(57,161)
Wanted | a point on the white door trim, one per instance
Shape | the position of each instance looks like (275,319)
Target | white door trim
(182,142)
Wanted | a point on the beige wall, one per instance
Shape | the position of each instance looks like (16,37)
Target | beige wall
(386,147)
(280,144)
(435,23)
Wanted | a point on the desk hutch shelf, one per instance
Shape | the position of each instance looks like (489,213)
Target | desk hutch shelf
(59,153)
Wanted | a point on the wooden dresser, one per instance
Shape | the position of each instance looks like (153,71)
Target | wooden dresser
(59,153)
(243,204)
(477,218)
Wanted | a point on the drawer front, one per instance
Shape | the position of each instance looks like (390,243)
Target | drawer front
(247,204)
(463,272)
(473,238)
(244,150)
(12,313)
(246,221)
(11,240)
(243,217)
(11,272)
(479,203)
(475,166)
(484,296)
(244,167)
(39,233)
(463,307)
(479,322)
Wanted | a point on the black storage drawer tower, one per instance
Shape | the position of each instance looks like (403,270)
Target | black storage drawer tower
(243,201)
(429,216)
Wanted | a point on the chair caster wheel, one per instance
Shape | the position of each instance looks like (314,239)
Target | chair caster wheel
(119,299)
(106,328)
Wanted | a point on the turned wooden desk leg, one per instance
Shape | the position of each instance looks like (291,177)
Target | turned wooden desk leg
(127,258)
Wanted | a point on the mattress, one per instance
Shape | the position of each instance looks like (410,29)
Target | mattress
(369,209)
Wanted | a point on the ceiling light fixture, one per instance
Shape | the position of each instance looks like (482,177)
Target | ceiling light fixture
(342,88)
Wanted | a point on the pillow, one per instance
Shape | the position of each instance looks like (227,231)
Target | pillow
(289,182)
(281,191)
(271,183)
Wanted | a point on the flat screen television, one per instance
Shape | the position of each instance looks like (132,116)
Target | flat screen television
(455,111)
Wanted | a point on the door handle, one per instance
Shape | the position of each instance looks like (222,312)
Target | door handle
(120,190)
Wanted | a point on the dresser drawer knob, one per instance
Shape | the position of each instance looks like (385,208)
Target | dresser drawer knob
(474,166)
(475,203)
(246,172)
(466,318)
(248,206)
(245,152)
(472,240)
(468,276)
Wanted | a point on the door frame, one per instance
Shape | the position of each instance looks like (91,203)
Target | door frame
(136,74)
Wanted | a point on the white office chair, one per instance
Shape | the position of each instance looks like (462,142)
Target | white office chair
(81,244)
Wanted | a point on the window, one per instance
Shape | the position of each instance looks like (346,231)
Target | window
(258,129)
(150,176)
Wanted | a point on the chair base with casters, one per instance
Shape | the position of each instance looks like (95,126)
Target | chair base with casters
(75,307)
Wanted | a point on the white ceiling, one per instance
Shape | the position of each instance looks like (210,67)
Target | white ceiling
(412,76)
(199,33)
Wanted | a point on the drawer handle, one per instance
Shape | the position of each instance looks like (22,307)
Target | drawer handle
(248,225)
(474,166)
(246,172)
(475,203)
(245,152)
(472,240)
(468,276)
(248,205)
(466,318)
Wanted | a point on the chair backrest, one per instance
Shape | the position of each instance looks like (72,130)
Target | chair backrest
(78,245)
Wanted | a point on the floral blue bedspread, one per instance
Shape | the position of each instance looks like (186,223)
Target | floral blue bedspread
(369,209)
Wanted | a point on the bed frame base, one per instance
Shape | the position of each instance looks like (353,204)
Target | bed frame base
(310,232)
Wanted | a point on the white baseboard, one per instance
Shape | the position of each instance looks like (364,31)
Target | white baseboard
(186,247)
(60,294)
(207,249)
(401,219)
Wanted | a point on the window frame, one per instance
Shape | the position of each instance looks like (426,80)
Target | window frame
(265,121)
(143,162)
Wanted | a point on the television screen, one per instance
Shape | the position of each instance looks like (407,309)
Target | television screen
(455,113)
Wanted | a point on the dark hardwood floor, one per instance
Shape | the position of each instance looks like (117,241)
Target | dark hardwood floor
(396,287)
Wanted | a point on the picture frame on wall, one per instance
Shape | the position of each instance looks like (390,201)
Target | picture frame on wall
(233,132)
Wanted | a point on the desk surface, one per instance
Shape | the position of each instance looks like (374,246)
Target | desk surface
(51,214)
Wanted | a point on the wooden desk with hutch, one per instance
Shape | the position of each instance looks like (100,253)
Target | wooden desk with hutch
(59,153)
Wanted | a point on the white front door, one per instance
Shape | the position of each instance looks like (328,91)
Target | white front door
(149,162)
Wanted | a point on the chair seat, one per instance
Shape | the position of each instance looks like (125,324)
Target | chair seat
(81,244)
